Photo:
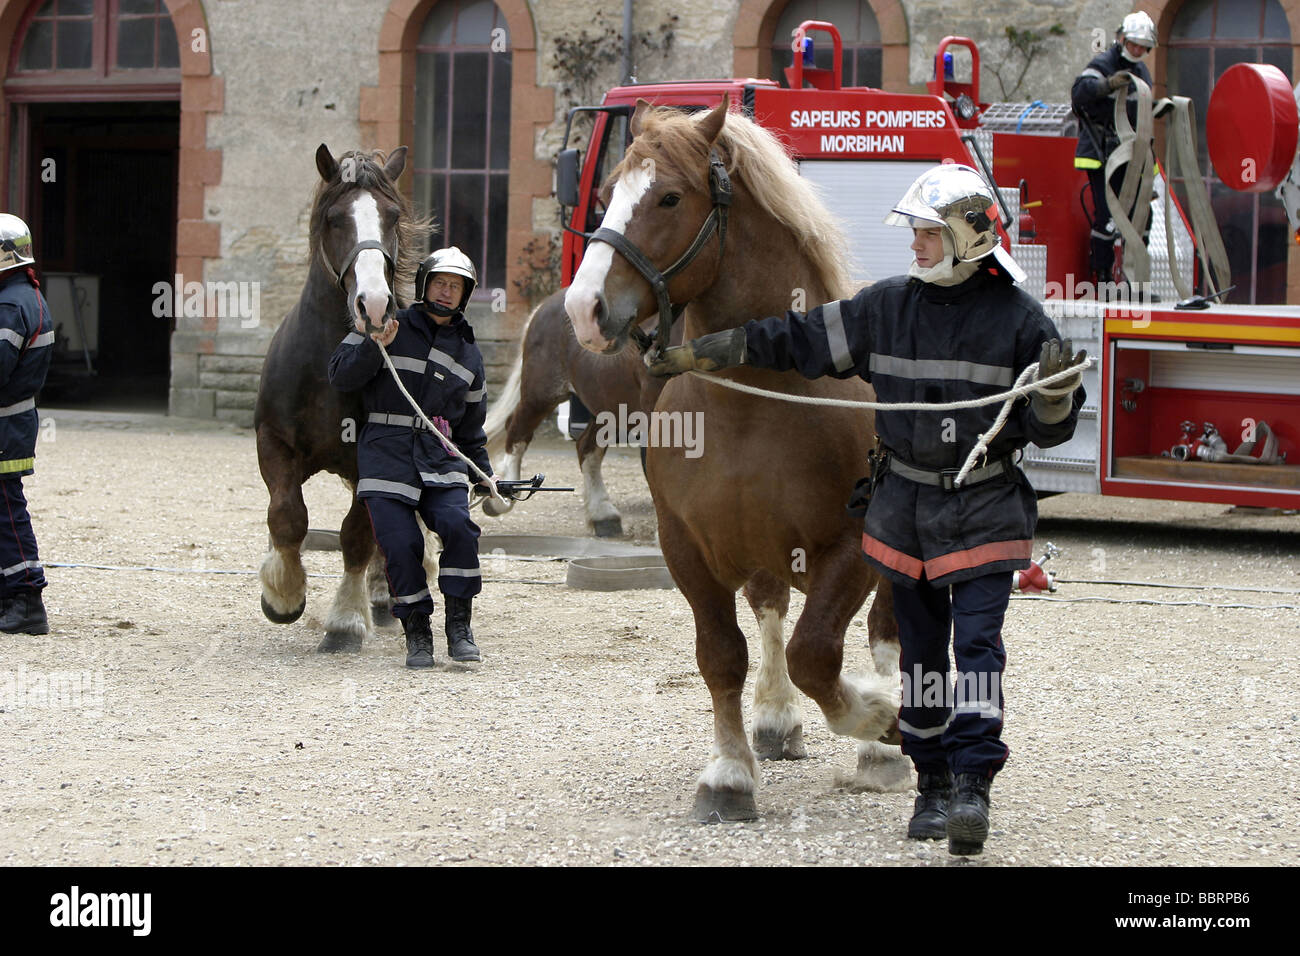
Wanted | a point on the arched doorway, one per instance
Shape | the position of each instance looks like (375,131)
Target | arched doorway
(93,88)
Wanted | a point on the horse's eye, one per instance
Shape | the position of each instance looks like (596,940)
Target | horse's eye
(672,199)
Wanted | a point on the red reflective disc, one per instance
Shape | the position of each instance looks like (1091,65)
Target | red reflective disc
(1251,127)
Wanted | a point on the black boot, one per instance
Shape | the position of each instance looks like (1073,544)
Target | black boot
(968,814)
(930,816)
(460,639)
(24,613)
(419,639)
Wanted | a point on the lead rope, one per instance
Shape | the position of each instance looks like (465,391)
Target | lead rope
(1023,387)
(446,443)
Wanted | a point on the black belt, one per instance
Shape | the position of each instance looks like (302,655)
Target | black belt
(944,477)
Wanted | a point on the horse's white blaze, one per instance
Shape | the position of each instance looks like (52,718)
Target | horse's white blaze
(599,505)
(284,582)
(350,612)
(589,283)
(368,270)
(871,704)
(776,702)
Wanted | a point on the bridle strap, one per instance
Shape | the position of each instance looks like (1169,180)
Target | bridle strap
(359,248)
(720,193)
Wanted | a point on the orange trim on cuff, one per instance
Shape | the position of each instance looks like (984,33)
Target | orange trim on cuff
(974,557)
(891,557)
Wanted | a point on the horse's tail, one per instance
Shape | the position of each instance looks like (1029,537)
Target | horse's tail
(506,403)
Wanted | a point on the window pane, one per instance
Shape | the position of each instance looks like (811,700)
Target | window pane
(138,6)
(76,8)
(1278,56)
(438,209)
(74,44)
(1194,21)
(47,9)
(135,44)
(469,120)
(870,67)
(169,51)
(1275,25)
(1274,236)
(498,214)
(474,25)
(847,17)
(1240,18)
(1235,214)
(38,47)
(465,218)
(424,122)
(441,110)
(500,132)
(437,28)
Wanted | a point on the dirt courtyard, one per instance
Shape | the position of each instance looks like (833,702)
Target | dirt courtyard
(165,721)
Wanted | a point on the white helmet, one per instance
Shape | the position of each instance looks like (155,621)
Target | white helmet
(450,260)
(15,243)
(1139,28)
(957,198)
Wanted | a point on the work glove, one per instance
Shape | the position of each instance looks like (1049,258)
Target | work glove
(708,353)
(1117,80)
(1052,404)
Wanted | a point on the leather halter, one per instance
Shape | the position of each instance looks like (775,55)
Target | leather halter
(359,248)
(720,194)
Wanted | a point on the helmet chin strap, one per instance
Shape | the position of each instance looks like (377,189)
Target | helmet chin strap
(439,309)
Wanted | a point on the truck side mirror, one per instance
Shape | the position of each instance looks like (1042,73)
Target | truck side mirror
(567,167)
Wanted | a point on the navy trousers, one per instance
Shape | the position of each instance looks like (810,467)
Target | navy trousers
(945,723)
(445,512)
(20,565)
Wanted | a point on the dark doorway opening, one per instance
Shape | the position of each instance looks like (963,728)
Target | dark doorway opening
(101,190)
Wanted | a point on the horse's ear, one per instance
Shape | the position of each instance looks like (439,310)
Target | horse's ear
(711,125)
(396,163)
(638,116)
(326,164)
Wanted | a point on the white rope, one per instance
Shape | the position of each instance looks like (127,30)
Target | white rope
(446,443)
(1022,387)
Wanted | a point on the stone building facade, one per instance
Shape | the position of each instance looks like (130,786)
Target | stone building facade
(259,84)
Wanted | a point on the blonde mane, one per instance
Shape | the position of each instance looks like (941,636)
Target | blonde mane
(759,160)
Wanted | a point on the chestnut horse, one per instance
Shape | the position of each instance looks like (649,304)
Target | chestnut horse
(363,241)
(763,507)
(550,364)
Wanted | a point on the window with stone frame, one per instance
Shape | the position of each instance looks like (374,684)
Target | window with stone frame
(859,30)
(106,39)
(1207,37)
(462,132)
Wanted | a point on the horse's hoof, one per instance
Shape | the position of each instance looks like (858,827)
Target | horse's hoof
(340,642)
(494,509)
(724,806)
(382,615)
(608,527)
(276,617)
(773,745)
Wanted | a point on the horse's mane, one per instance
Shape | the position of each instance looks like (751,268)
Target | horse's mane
(367,172)
(756,157)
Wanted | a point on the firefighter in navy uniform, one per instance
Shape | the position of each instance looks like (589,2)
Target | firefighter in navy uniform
(26,343)
(954,329)
(404,468)
(1093,98)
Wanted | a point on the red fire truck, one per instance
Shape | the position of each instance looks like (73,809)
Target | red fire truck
(1173,389)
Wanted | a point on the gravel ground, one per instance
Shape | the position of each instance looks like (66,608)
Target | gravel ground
(165,721)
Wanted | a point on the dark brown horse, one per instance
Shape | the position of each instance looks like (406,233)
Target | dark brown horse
(364,241)
(763,507)
(550,364)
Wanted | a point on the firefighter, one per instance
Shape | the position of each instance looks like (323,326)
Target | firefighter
(26,340)
(1093,98)
(955,328)
(404,469)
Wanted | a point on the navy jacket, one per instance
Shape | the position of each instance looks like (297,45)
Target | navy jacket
(1090,97)
(442,368)
(918,342)
(26,345)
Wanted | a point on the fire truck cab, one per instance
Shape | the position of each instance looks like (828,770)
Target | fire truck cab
(1165,378)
